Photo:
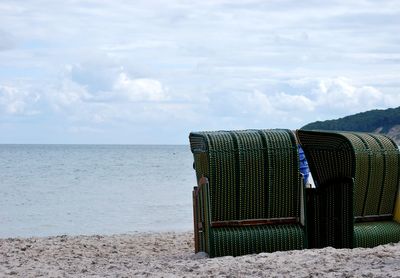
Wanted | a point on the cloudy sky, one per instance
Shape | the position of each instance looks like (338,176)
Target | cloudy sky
(97,71)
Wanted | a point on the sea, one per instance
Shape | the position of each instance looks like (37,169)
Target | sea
(49,190)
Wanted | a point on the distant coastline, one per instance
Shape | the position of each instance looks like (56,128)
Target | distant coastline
(385,122)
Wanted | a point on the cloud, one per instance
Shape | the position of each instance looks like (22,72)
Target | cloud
(140,89)
(289,103)
(7,41)
(69,94)
(97,65)
(286,102)
(341,95)
(294,103)
(16,101)
(121,98)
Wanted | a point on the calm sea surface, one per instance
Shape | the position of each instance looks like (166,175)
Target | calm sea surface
(94,189)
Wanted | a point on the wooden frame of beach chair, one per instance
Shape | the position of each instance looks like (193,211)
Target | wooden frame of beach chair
(249,197)
(356,202)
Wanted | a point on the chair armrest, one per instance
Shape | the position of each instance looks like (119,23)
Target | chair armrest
(203,200)
(201,213)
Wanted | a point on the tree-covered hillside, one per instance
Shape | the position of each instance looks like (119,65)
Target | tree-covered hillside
(381,121)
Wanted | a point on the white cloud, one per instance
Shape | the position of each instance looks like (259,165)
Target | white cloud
(257,101)
(287,102)
(296,102)
(121,98)
(70,93)
(7,41)
(16,101)
(225,63)
(392,100)
(238,104)
(340,95)
(141,89)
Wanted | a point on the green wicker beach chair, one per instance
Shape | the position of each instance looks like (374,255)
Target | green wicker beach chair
(249,193)
(357,177)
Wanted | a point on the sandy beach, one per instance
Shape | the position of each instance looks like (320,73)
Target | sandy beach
(171,255)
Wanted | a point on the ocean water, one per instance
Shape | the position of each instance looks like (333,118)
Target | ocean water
(94,189)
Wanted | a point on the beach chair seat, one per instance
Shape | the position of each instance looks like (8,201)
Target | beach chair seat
(357,177)
(371,234)
(249,193)
(236,241)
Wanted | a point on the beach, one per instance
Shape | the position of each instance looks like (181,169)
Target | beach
(172,255)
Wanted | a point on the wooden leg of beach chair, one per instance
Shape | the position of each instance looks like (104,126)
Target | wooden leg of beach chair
(196,221)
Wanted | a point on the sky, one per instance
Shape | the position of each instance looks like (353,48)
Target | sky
(149,72)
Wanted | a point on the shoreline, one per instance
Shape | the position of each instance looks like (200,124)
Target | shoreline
(171,254)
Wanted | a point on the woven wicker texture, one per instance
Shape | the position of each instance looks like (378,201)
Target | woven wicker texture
(371,234)
(253,174)
(371,160)
(236,241)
